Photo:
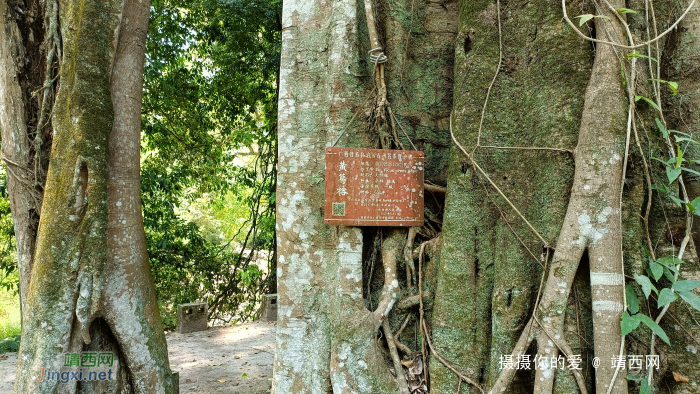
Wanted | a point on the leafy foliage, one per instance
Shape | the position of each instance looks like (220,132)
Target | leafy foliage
(9,344)
(209,130)
(8,263)
(663,273)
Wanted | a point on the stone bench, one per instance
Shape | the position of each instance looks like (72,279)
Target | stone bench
(192,317)
(269,312)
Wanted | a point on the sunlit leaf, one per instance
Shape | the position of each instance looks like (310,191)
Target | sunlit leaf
(674,87)
(584,18)
(646,284)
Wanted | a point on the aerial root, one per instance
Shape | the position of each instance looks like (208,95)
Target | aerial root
(506,376)
(400,378)
(444,362)
(408,256)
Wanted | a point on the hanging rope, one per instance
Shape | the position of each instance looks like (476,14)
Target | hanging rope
(377,58)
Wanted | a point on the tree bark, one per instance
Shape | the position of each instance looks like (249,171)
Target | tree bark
(316,94)
(91,288)
(490,262)
(130,304)
(20,37)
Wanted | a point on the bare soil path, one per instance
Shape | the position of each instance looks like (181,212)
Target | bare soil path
(222,360)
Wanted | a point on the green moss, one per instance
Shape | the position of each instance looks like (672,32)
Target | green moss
(536,101)
(71,242)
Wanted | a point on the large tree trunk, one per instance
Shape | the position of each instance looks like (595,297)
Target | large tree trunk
(322,319)
(90,287)
(487,279)
(327,333)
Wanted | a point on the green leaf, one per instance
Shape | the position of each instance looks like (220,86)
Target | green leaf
(661,126)
(690,171)
(685,139)
(685,285)
(669,261)
(660,187)
(693,205)
(679,132)
(666,296)
(647,287)
(669,275)
(626,11)
(645,389)
(245,375)
(649,101)
(666,163)
(632,301)
(633,378)
(675,199)
(672,174)
(584,18)
(671,84)
(639,55)
(674,87)
(628,323)
(656,270)
(691,298)
(654,327)
(622,73)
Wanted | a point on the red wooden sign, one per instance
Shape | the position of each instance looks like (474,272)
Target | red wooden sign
(374,187)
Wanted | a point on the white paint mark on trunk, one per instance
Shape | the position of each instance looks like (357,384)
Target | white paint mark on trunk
(613,306)
(606,279)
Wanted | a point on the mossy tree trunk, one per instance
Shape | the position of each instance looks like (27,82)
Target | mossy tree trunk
(89,286)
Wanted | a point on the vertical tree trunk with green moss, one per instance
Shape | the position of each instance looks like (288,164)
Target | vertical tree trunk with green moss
(325,334)
(90,286)
(488,279)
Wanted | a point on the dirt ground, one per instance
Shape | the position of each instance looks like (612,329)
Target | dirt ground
(222,360)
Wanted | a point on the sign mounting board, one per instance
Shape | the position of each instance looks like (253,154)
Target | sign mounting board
(374,187)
